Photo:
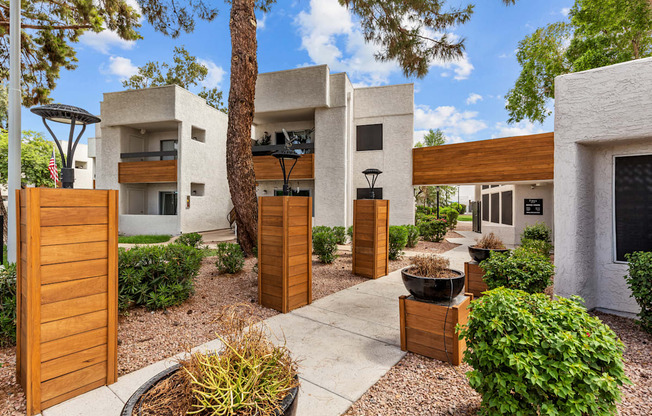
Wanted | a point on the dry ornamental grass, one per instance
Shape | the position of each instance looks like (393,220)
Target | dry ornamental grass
(434,266)
(490,242)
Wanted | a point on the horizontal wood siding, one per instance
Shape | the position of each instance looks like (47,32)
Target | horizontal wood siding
(473,279)
(68,293)
(370,237)
(284,252)
(147,172)
(423,331)
(268,167)
(506,160)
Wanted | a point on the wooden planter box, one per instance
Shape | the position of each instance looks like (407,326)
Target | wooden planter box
(423,332)
(473,280)
(370,245)
(284,252)
(67,293)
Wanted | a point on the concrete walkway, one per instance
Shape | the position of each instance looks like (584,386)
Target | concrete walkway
(344,343)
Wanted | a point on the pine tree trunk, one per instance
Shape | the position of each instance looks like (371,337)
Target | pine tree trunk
(5,215)
(239,161)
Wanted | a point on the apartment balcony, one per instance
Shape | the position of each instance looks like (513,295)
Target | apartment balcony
(267,168)
(150,171)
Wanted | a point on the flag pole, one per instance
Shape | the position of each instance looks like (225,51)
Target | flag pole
(13,182)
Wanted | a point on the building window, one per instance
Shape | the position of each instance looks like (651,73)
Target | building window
(167,146)
(198,135)
(632,201)
(167,203)
(507,213)
(495,208)
(369,137)
(365,193)
(196,189)
(485,207)
(80,165)
(485,186)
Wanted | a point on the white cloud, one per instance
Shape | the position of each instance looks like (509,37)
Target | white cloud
(330,36)
(473,98)
(260,23)
(215,74)
(105,40)
(454,123)
(565,11)
(119,66)
(522,128)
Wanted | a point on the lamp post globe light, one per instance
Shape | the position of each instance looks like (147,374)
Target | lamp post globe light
(371,175)
(66,114)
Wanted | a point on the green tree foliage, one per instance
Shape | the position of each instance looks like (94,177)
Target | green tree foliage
(599,33)
(432,138)
(639,280)
(50,29)
(185,71)
(427,195)
(35,156)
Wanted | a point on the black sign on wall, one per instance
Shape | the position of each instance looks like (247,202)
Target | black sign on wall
(533,206)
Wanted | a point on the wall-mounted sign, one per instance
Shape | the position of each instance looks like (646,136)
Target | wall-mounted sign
(533,206)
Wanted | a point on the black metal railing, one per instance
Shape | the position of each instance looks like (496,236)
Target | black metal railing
(304,148)
(138,155)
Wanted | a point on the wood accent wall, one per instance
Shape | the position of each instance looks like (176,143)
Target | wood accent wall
(268,167)
(67,293)
(473,279)
(506,160)
(147,172)
(423,331)
(370,237)
(284,252)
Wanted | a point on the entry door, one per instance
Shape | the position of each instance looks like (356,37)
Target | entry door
(167,202)
(137,201)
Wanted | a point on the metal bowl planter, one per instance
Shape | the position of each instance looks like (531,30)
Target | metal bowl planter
(479,254)
(433,288)
(132,407)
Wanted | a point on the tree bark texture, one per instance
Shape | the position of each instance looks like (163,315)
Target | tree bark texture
(239,160)
(3,212)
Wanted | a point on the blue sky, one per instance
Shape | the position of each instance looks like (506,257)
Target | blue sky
(464,98)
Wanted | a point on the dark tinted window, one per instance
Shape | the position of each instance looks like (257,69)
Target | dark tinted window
(365,193)
(369,137)
(506,216)
(495,207)
(485,207)
(633,199)
(485,186)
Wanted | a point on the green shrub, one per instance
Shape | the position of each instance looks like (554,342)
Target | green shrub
(451,216)
(193,240)
(324,245)
(412,235)
(538,231)
(535,356)
(542,247)
(156,276)
(8,305)
(398,237)
(460,208)
(320,228)
(143,239)
(433,229)
(639,281)
(340,234)
(521,269)
(422,209)
(230,258)
(349,232)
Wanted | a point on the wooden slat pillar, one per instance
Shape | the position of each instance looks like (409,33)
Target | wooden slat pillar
(66,293)
(370,243)
(284,252)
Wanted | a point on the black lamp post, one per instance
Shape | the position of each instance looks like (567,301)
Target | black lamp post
(373,174)
(66,114)
(284,156)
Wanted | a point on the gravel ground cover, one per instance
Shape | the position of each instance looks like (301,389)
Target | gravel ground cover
(432,247)
(145,337)
(417,385)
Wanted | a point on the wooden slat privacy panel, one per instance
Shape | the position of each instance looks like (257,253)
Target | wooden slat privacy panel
(284,252)
(267,167)
(506,160)
(147,172)
(370,237)
(67,299)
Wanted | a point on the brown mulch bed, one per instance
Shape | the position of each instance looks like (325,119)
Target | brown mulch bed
(145,337)
(431,247)
(417,385)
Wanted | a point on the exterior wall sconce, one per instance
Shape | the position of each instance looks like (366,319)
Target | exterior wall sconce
(66,114)
(371,175)
(284,157)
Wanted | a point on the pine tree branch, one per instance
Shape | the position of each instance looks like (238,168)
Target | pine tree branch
(5,23)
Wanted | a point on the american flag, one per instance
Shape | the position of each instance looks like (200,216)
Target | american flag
(52,167)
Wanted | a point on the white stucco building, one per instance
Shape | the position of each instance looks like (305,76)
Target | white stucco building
(603,180)
(164,149)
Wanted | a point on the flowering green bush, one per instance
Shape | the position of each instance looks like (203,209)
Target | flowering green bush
(193,240)
(535,356)
(522,269)
(398,237)
(432,229)
(412,235)
(639,281)
(538,231)
(230,258)
(340,234)
(324,245)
